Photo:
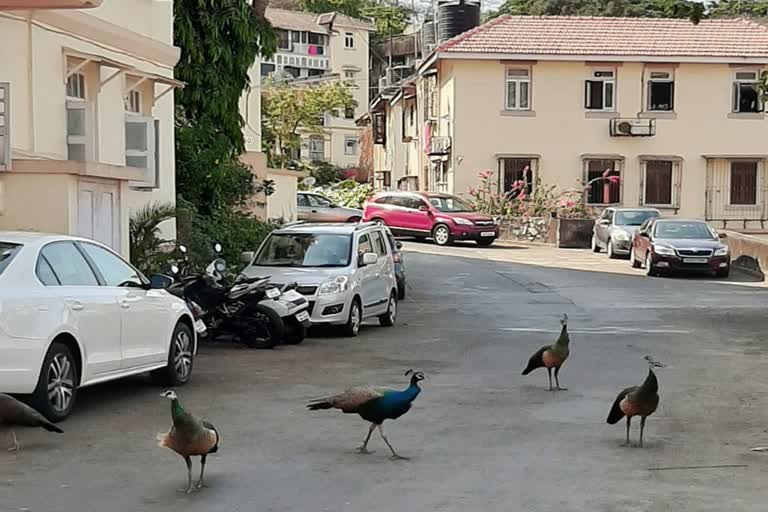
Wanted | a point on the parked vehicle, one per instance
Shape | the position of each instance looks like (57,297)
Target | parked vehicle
(615,228)
(249,309)
(318,208)
(346,271)
(397,257)
(674,245)
(73,313)
(444,218)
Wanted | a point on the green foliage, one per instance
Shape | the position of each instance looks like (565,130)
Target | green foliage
(348,193)
(627,8)
(325,173)
(289,110)
(146,245)
(736,8)
(219,41)
(385,17)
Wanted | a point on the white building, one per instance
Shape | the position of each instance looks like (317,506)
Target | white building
(86,115)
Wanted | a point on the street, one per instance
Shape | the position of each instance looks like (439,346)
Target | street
(481,436)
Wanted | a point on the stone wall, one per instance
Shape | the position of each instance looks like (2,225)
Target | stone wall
(748,253)
(527,229)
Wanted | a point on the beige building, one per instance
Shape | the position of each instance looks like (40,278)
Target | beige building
(312,46)
(86,115)
(671,107)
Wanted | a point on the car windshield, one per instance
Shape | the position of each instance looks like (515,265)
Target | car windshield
(7,252)
(305,250)
(689,230)
(450,204)
(634,217)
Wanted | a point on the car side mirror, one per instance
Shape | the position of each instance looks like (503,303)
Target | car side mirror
(247,257)
(370,258)
(604,222)
(423,208)
(722,235)
(160,282)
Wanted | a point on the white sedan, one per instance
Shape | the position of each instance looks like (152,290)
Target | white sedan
(73,313)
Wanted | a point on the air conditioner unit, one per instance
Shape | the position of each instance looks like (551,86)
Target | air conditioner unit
(632,127)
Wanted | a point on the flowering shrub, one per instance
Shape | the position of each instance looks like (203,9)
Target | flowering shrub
(346,193)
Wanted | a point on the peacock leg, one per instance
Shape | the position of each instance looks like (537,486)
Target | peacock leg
(16,446)
(642,428)
(626,443)
(549,372)
(188,490)
(201,484)
(557,380)
(364,449)
(395,456)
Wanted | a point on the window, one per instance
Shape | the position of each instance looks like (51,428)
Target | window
(318,201)
(133,102)
(414,203)
(303,200)
(8,251)
(349,113)
(267,69)
(305,250)
(364,245)
(349,75)
(743,183)
(76,86)
(115,271)
(599,91)
(661,91)
(659,182)
(78,130)
(745,92)
(316,148)
(140,146)
(349,40)
(45,273)
(516,170)
(283,40)
(350,146)
(68,264)
(518,89)
(378,244)
(603,191)
(379,128)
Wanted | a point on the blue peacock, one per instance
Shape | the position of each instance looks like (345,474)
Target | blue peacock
(375,405)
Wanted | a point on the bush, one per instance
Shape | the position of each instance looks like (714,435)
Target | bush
(347,193)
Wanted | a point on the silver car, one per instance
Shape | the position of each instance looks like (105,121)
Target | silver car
(314,207)
(346,271)
(614,229)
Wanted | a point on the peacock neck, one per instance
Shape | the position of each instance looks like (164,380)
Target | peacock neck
(564,339)
(413,391)
(177,411)
(651,384)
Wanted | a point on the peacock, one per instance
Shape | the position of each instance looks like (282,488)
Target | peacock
(189,437)
(375,405)
(552,356)
(16,414)
(637,401)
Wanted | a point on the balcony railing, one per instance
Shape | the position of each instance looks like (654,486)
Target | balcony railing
(282,59)
(440,146)
(5,126)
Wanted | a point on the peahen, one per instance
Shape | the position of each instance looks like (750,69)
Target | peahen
(189,437)
(16,414)
(375,405)
(552,356)
(637,401)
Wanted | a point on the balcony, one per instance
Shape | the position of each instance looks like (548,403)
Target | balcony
(284,58)
(440,146)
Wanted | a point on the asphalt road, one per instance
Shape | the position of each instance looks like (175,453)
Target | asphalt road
(481,436)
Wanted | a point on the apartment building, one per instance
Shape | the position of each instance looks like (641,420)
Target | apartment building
(672,108)
(86,115)
(318,47)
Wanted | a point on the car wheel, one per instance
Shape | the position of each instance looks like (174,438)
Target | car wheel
(595,247)
(632,260)
(609,249)
(441,235)
(649,270)
(294,333)
(724,272)
(181,359)
(389,318)
(261,328)
(56,391)
(354,220)
(352,327)
(401,291)
(485,242)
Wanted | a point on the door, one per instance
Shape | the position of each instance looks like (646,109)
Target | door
(320,209)
(422,220)
(409,216)
(368,290)
(145,315)
(98,213)
(603,226)
(384,269)
(641,243)
(92,309)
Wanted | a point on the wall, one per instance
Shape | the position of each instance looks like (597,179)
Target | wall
(39,202)
(559,129)
(282,204)
(748,253)
(528,229)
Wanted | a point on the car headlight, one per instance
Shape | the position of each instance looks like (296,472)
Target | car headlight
(463,222)
(621,236)
(663,250)
(723,251)
(338,285)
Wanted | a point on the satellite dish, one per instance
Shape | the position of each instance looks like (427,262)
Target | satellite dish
(309,181)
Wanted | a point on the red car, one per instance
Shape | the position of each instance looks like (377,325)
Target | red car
(442,217)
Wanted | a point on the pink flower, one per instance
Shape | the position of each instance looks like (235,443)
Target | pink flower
(485,174)
(570,204)
(522,195)
(526,168)
(472,191)
(614,179)
(607,172)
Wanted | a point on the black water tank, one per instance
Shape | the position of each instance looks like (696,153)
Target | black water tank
(455,17)
(428,40)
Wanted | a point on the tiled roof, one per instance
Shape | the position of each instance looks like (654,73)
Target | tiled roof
(598,36)
(309,22)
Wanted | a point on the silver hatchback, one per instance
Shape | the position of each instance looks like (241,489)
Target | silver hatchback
(313,207)
(614,229)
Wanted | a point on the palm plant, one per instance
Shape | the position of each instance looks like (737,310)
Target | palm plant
(146,244)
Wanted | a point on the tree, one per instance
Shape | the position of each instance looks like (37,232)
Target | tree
(288,110)
(625,8)
(386,18)
(736,8)
(144,231)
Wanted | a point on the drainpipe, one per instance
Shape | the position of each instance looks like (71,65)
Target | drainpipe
(30,85)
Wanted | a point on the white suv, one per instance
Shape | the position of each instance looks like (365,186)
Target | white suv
(73,313)
(346,271)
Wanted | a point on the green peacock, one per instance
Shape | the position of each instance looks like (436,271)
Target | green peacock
(552,356)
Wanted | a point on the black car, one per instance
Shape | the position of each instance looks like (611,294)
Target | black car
(397,256)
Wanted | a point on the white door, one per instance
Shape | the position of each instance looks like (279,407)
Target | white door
(98,213)
(92,310)
(368,290)
(383,268)
(145,314)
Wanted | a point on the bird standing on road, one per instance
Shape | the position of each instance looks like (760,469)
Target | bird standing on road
(189,437)
(552,356)
(16,414)
(374,405)
(637,401)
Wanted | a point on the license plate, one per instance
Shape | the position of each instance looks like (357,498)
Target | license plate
(695,260)
(273,293)
(488,233)
(302,316)
(200,326)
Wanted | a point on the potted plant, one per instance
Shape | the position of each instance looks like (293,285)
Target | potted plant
(575,218)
